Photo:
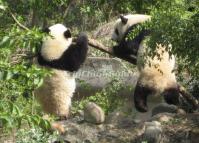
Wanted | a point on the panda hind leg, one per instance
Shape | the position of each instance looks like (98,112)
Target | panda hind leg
(172,95)
(180,97)
(140,97)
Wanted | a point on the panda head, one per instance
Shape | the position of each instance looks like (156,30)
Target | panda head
(125,22)
(58,41)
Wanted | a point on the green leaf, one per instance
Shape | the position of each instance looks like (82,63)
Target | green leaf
(45,124)
(40,82)
(19,121)
(7,75)
(6,120)
(36,119)
(4,41)
(2,7)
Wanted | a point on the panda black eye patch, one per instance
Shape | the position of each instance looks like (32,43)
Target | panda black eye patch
(46,30)
(67,34)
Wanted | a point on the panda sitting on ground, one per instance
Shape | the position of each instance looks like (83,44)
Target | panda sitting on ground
(63,58)
(155,79)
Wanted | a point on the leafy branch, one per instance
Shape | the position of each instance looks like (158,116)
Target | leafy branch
(6,9)
(17,22)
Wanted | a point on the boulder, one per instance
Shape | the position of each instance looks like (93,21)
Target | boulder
(164,108)
(93,113)
(153,132)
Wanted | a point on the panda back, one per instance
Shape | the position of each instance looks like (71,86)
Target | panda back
(159,73)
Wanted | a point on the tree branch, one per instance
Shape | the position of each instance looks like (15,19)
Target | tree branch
(97,45)
(18,23)
(70,2)
(189,98)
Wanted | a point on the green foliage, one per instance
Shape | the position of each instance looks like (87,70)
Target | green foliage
(14,117)
(172,24)
(36,12)
(177,27)
(35,136)
(88,14)
(19,78)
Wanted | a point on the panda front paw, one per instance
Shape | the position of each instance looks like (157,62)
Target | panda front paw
(118,52)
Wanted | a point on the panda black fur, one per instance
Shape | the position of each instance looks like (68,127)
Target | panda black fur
(63,58)
(122,28)
(150,80)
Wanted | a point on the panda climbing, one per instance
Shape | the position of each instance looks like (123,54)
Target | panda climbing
(154,78)
(123,26)
(59,55)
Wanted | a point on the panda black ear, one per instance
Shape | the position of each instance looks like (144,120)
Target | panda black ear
(46,30)
(123,19)
(67,34)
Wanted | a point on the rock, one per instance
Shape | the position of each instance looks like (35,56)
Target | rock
(115,117)
(164,108)
(80,113)
(163,117)
(97,72)
(93,113)
(137,121)
(181,111)
(194,135)
(182,129)
(119,119)
(80,132)
(153,132)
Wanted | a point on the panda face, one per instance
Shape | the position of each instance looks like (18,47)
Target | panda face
(56,43)
(124,23)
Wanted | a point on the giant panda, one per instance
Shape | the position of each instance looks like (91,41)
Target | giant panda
(59,55)
(155,78)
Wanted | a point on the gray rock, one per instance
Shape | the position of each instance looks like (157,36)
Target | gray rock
(115,117)
(164,108)
(93,113)
(163,117)
(120,119)
(97,72)
(80,132)
(153,132)
(126,131)
(194,135)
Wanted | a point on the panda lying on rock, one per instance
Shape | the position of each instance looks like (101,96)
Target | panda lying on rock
(63,58)
(150,80)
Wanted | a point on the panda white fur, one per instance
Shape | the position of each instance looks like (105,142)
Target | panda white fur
(155,79)
(63,58)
